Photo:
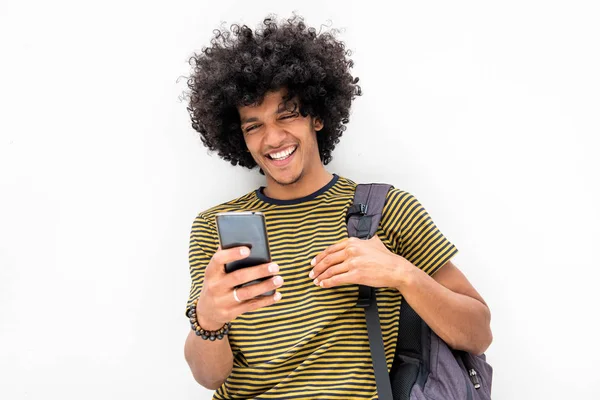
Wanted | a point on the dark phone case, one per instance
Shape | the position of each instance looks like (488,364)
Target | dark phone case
(244,229)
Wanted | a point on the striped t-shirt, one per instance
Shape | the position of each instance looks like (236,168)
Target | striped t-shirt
(313,343)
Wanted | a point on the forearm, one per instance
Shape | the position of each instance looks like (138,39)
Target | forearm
(210,361)
(461,321)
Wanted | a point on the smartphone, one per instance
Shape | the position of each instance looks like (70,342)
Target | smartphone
(245,228)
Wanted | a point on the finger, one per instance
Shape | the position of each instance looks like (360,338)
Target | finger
(345,278)
(249,274)
(222,257)
(257,289)
(331,249)
(256,303)
(327,262)
(330,272)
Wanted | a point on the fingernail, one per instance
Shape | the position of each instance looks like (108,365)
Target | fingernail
(316,281)
(278,281)
(273,267)
(244,251)
(312,262)
(277,296)
(321,284)
(311,274)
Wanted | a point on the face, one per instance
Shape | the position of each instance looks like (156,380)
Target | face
(282,142)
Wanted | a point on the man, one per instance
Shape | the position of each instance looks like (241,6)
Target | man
(279,98)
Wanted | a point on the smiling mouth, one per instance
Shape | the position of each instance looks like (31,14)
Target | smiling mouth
(282,155)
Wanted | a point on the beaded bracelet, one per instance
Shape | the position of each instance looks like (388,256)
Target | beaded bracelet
(204,333)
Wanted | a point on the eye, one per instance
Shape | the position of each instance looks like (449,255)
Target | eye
(289,116)
(251,127)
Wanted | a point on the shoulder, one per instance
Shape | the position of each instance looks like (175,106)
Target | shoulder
(346,182)
(399,197)
(403,205)
(396,199)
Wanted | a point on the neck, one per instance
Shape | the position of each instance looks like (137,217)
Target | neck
(306,185)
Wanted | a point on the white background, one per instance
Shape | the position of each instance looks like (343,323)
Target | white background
(487,112)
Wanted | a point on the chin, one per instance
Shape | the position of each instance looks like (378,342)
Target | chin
(287,178)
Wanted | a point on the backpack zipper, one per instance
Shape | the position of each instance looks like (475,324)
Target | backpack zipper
(474,378)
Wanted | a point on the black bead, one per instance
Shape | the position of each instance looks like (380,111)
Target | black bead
(204,337)
(220,337)
(212,338)
(197,333)
(226,331)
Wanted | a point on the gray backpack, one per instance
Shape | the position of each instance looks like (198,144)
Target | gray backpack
(424,367)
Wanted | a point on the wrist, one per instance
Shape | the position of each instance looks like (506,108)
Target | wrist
(204,327)
(406,272)
(203,321)
(209,325)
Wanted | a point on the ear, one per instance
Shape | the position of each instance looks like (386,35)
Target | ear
(317,124)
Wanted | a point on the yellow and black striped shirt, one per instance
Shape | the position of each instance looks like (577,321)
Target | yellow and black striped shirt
(313,343)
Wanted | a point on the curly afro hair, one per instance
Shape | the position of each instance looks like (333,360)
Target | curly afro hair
(242,65)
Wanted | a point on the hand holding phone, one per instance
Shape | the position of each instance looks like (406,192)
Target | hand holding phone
(216,302)
(247,229)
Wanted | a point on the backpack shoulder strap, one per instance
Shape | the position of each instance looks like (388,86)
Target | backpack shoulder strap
(363,219)
(364,215)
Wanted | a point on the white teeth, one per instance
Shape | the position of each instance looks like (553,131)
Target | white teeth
(282,154)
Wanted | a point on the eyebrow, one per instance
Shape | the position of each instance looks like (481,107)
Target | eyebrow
(252,119)
(280,109)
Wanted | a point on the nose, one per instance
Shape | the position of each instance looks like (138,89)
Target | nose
(274,136)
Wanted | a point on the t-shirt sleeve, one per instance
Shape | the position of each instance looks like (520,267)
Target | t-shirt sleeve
(203,244)
(413,234)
